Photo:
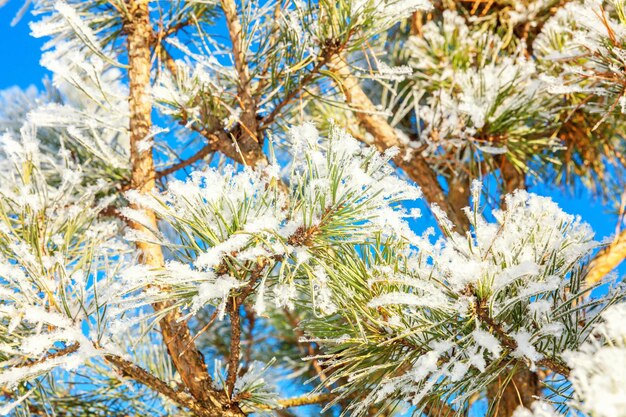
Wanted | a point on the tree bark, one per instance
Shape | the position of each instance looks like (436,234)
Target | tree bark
(513,179)
(249,144)
(189,362)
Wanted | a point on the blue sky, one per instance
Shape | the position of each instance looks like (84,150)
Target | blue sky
(21,54)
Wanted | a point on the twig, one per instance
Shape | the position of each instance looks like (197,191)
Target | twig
(301,401)
(206,150)
(235,346)
(483,314)
(248,119)
(385,137)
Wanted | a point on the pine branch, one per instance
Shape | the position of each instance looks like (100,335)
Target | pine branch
(68,350)
(248,121)
(482,313)
(189,362)
(306,400)
(512,177)
(385,137)
(300,401)
(138,374)
(506,394)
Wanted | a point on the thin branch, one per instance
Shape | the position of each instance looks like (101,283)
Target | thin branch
(138,374)
(204,151)
(301,401)
(504,338)
(248,120)
(385,137)
(235,346)
(68,350)
(135,372)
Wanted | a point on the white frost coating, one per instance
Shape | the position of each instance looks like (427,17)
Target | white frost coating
(525,348)
(469,85)
(538,409)
(514,269)
(389,11)
(7,408)
(488,342)
(393,73)
(241,216)
(218,290)
(597,375)
(399,298)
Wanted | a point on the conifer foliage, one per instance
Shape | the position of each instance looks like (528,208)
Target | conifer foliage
(297,207)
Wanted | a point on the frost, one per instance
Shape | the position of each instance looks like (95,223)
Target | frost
(597,375)
(487,341)
(538,409)
(393,73)
(217,290)
(389,11)
(525,348)
(469,88)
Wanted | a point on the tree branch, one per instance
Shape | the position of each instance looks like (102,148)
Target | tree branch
(138,374)
(204,151)
(385,137)
(301,401)
(504,338)
(248,121)
(607,259)
(189,362)
(235,346)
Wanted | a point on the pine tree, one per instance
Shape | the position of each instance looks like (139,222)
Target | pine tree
(215,208)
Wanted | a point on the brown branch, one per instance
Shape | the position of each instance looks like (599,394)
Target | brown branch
(248,121)
(301,401)
(385,137)
(188,362)
(247,357)
(129,369)
(138,374)
(235,324)
(482,313)
(459,190)
(235,346)
(204,151)
(306,400)
(68,350)
(607,259)
(512,177)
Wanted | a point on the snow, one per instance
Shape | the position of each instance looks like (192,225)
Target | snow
(525,348)
(597,375)
(538,409)
(488,342)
